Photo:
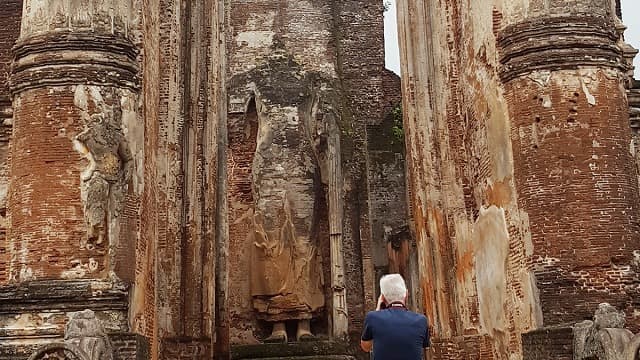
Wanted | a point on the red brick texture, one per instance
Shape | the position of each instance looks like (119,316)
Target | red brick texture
(181,92)
(555,343)
(242,147)
(47,221)
(10,14)
(576,179)
(469,145)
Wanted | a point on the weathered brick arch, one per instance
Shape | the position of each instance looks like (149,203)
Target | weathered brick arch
(58,351)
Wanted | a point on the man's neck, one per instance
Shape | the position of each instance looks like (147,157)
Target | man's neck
(396,304)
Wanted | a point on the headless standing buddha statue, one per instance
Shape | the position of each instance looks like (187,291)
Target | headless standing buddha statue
(286,272)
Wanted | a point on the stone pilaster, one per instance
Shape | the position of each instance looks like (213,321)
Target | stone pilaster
(564,78)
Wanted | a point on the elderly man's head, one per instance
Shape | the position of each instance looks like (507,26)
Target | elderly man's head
(393,288)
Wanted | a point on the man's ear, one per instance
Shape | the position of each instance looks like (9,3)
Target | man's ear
(383,299)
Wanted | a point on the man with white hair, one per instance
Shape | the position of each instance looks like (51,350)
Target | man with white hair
(392,331)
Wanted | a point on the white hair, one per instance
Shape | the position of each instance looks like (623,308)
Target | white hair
(393,288)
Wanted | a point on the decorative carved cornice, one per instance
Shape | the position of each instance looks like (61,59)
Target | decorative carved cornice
(58,59)
(554,43)
(63,295)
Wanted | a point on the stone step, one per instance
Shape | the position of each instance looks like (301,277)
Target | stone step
(316,357)
(317,350)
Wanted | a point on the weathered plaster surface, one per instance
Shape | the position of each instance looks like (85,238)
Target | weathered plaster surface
(301,41)
(466,138)
(100,16)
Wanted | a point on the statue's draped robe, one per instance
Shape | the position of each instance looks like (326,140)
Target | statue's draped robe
(286,270)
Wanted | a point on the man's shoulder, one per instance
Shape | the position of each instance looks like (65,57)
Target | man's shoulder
(419,317)
(372,314)
(377,316)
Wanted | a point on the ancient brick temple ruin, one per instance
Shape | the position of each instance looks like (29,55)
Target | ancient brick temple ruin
(199,179)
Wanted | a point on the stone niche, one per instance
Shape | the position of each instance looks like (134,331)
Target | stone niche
(283,157)
(292,225)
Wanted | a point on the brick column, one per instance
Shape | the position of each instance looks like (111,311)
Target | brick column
(564,83)
(75,135)
(73,81)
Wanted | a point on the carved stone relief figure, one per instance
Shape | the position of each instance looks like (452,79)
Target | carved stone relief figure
(103,144)
(286,274)
(84,339)
(605,338)
(85,332)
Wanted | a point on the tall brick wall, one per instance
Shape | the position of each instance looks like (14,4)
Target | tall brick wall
(472,236)
(163,213)
(495,221)
(360,45)
(73,171)
(176,270)
(10,15)
(387,189)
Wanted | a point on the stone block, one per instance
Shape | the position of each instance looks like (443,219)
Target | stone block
(302,350)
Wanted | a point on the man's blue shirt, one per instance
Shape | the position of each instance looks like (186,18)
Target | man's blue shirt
(397,334)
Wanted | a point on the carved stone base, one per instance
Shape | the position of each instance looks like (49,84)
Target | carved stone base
(126,346)
(604,338)
(317,357)
(186,349)
(45,319)
(41,309)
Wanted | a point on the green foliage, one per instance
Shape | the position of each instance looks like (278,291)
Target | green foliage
(387,5)
(397,129)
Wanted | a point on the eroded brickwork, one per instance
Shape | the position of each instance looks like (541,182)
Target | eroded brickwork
(305,34)
(521,183)
(176,282)
(10,16)
(360,45)
(578,186)
(391,240)
(72,171)
(471,197)
(132,148)
(50,186)
(551,343)
(460,171)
